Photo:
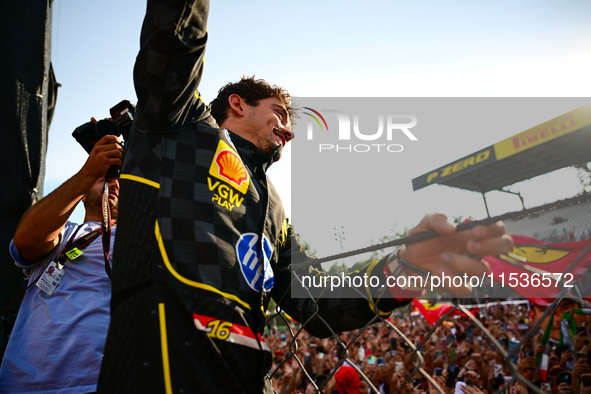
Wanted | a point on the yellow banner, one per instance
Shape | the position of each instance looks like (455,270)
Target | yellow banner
(542,133)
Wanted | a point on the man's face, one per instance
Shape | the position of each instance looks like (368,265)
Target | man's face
(267,125)
(94,197)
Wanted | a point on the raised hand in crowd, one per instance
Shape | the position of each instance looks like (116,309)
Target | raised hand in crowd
(585,387)
(581,368)
(517,388)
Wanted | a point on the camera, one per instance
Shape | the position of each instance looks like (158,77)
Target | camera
(90,133)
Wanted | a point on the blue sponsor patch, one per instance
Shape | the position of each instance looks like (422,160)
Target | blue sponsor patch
(254,261)
(229,139)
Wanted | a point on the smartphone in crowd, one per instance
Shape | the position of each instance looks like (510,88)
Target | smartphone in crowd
(512,345)
(393,343)
(564,377)
(452,374)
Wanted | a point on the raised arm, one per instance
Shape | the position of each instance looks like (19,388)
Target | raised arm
(38,231)
(342,308)
(170,63)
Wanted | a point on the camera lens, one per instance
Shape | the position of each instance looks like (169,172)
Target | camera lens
(105,127)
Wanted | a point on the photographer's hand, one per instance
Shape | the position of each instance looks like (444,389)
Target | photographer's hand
(40,226)
(107,152)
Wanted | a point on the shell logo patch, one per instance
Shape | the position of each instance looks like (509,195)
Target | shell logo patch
(228,167)
(254,261)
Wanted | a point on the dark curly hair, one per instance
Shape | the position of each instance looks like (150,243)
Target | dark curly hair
(252,91)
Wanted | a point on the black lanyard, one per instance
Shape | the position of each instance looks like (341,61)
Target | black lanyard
(72,248)
(106,228)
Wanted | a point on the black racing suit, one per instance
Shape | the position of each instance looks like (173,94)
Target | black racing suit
(203,242)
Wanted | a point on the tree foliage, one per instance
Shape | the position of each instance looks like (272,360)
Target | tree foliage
(584,175)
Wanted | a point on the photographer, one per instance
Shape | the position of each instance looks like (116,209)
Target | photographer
(58,339)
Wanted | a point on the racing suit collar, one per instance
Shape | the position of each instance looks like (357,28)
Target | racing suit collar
(251,153)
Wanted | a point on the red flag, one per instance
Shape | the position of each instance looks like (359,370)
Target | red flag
(433,312)
(547,261)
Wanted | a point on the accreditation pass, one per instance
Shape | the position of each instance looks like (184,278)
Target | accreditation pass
(50,279)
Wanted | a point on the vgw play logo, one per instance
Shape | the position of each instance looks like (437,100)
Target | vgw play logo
(350,137)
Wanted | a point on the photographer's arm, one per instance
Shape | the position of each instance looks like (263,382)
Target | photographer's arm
(39,228)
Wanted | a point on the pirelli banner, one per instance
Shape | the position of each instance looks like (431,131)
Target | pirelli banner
(452,170)
(538,147)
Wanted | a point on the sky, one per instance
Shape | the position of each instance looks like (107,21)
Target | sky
(318,49)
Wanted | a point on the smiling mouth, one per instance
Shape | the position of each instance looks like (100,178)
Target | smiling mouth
(279,134)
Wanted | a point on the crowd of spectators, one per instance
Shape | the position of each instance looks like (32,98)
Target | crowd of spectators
(458,355)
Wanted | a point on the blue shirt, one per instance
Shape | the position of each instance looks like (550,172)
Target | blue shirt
(57,341)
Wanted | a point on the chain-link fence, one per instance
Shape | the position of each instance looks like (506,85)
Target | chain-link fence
(535,338)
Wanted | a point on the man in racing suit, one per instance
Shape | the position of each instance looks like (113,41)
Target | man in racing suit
(203,241)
